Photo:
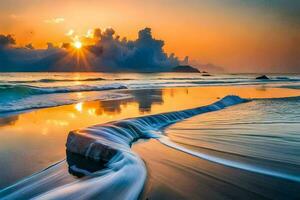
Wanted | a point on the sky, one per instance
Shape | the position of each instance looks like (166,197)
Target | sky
(239,36)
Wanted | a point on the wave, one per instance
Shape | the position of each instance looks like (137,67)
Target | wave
(69,80)
(291,86)
(124,172)
(197,80)
(46,80)
(16,98)
(15,91)
(46,101)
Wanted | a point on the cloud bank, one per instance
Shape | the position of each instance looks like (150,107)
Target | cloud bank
(104,51)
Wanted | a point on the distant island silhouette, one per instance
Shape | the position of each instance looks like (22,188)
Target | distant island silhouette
(185,68)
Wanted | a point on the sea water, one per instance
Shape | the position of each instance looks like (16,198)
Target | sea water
(25,91)
(260,135)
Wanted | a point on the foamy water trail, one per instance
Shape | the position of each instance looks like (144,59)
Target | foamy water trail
(124,179)
(231,163)
(122,174)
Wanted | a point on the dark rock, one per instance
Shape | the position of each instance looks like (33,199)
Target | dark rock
(78,143)
(185,68)
(206,74)
(85,165)
(263,77)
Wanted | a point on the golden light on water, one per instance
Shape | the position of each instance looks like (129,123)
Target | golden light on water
(78,107)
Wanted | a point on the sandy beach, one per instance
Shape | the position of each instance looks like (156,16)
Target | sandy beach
(171,173)
(176,175)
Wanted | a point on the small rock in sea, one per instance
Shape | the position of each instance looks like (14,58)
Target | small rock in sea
(206,74)
(263,77)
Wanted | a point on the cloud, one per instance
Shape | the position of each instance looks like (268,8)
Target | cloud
(108,52)
(14,58)
(29,46)
(143,54)
(57,20)
(6,40)
(70,32)
(89,33)
(105,51)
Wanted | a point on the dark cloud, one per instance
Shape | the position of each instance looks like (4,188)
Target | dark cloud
(143,54)
(108,53)
(25,58)
(6,40)
(97,33)
(29,46)
(66,45)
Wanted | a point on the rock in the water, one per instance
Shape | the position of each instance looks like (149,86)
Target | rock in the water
(185,68)
(263,77)
(79,143)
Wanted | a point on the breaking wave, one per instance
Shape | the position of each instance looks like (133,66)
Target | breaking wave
(20,91)
(23,97)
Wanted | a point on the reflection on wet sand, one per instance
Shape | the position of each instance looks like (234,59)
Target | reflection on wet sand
(148,98)
(40,135)
(144,98)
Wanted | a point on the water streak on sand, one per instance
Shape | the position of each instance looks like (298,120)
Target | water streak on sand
(231,163)
(123,171)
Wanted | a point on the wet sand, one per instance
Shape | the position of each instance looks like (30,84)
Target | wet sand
(176,175)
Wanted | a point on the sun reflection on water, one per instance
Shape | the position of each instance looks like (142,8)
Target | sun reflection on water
(78,107)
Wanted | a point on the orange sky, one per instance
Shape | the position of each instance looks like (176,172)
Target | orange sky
(238,35)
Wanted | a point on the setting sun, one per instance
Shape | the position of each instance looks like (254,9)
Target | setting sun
(77,44)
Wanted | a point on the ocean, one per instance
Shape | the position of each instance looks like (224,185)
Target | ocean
(149,136)
(23,91)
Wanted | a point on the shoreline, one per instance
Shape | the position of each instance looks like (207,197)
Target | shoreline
(168,104)
(128,91)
